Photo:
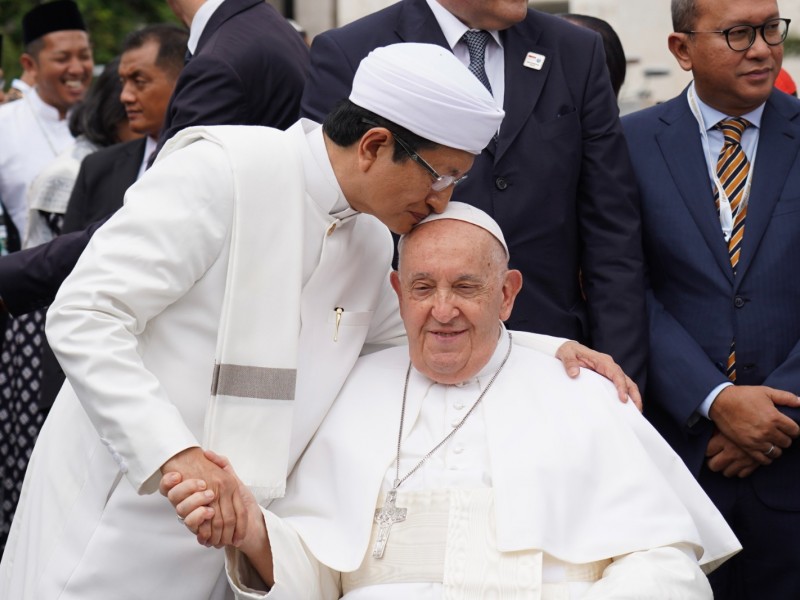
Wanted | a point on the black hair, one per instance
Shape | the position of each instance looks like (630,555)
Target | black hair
(348,122)
(172,41)
(98,116)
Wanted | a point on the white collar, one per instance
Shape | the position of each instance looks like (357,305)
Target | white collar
(451,27)
(200,21)
(325,191)
(44,110)
(711,116)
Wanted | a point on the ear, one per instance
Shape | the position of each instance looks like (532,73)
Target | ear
(680,46)
(394,279)
(374,142)
(28,62)
(512,284)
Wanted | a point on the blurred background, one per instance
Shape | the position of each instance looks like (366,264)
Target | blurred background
(642,25)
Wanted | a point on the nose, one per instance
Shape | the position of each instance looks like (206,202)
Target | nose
(444,309)
(75,66)
(126,96)
(760,49)
(438,201)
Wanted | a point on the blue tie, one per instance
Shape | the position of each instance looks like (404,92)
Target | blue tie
(476,44)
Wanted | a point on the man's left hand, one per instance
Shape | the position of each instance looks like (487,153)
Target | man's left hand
(575,355)
(724,456)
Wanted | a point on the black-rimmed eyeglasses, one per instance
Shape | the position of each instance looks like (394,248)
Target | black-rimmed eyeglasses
(440,182)
(741,37)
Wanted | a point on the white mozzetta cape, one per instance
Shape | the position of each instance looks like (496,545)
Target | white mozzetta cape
(575,474)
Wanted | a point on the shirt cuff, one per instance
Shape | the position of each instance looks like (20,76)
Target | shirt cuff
(705,405)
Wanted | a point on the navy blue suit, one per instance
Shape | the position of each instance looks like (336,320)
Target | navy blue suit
(557,180)
(696,307)
(249,68)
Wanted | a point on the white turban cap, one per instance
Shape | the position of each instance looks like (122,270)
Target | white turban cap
(427,90)
(459,211)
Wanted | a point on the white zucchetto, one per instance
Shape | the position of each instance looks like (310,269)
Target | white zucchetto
(459,211)
(426,89)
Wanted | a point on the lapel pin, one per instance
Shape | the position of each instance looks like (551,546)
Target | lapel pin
(534,61)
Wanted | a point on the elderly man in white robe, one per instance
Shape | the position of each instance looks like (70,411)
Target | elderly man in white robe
(477,469)
(251,262)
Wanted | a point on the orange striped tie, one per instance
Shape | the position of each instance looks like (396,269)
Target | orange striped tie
(732,170)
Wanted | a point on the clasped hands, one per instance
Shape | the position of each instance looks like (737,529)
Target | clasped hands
(220,513)
(748,427)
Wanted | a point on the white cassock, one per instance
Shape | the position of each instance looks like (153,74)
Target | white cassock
(135,329)
(32,136)
(552,489)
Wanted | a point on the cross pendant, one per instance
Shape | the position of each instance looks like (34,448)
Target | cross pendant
(386,517)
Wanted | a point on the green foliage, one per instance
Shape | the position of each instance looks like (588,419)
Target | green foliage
(109,21)
(791,45)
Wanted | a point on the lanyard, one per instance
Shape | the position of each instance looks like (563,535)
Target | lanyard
(726,216)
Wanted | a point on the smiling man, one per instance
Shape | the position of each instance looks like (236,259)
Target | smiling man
(248,261)
(151,61)
(441,469)
(35,130)
(719,171)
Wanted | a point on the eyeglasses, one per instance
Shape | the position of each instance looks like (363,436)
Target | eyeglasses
(440,182)
(741,37)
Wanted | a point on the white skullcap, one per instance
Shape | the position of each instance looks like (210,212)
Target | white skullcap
(458,211)
(427,90)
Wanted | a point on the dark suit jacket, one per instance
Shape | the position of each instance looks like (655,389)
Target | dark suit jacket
(26,281)
(558,180)
(695,304)
(248,69)
(102,181)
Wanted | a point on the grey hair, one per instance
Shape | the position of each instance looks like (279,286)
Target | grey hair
(684,14)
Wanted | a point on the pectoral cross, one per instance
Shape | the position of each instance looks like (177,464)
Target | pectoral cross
(386,517)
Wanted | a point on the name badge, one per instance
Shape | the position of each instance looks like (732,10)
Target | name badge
(534,61)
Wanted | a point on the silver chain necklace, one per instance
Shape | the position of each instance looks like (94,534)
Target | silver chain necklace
(390,513)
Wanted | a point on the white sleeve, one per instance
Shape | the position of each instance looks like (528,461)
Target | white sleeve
(546,344)
(298,575)
(172,228)
(661,573)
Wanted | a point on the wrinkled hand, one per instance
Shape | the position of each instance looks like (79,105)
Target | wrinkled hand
(228,524)
(726,457)
(747,416)
(575,355)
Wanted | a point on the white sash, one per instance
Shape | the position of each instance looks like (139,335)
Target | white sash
(249,419)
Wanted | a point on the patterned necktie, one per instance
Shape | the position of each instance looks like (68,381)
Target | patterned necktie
(732,170)
(476,44)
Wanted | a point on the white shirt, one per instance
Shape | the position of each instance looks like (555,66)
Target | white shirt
(453,30)
(200,21)
(33,134)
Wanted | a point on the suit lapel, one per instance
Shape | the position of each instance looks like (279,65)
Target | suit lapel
(778,144)
(416,23)
(680,145)
(127,165)
(523,85)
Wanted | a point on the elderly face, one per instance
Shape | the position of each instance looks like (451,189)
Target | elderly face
(146,88)
(454,289)
(63,68)
(732,82)
(487,14)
